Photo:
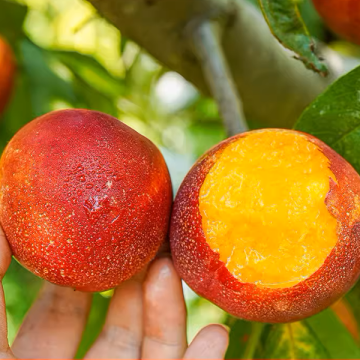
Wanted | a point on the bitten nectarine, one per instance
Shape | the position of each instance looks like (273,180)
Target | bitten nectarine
(7,71)
(342,16)
(267,226)
(84,199)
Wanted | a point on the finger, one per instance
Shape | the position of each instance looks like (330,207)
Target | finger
(122,332)
(5,259)
(164,313)
(210,343)
(54,325)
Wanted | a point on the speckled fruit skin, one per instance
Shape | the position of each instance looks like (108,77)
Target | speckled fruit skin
(342,16)
(84,200)
(202,270)
(7,73)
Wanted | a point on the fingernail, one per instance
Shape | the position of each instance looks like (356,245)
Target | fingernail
(165,270)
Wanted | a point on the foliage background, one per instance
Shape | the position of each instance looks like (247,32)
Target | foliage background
(68,57)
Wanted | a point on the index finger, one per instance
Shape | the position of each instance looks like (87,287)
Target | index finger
(5,254)
(5,259)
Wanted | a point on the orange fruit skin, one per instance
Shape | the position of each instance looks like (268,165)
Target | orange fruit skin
(84,199)
(7,73)
(202,270)
(342,16)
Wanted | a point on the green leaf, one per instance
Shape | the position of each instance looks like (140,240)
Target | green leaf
(284,20)
(292,341)
(90,98)
(322,336)
(21,288)
(334,117)
(353,299)
(19,111)
(46,86)
(94,324)
(124,41)
(312,19)
(333,335)
(240,336)
(12,16)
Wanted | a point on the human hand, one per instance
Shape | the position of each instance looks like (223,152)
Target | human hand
(146,320)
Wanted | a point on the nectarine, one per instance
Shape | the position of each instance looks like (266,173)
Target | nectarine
(84,199)
(267,226)
(7,71)
(342,16)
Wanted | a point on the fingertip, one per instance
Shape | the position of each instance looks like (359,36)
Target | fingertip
(5,254)
(162,269)
(216,332)
(211,342)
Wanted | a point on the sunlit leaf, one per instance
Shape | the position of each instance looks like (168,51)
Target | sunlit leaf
(322,336)
(92,72)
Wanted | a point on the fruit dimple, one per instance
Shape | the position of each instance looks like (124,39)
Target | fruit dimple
(263,208)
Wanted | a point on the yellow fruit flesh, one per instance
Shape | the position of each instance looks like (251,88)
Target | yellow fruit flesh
(263,208)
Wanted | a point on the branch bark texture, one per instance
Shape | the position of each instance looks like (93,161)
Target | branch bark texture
(205,39)
(274,87)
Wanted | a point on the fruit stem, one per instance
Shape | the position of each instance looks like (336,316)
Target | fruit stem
(206,41)
(251,346)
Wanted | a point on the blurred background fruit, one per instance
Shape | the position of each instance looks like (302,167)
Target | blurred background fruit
(7,73)
(342,16)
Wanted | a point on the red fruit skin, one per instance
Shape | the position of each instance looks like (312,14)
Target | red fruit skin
(84,200)
(7,73)
(342,16)
(202,270)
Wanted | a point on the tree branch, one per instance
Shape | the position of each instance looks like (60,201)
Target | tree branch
(204,36)
(274,87)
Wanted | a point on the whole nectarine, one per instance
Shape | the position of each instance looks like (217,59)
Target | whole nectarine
(267,226)
(84,199)
(7,71)
(342,16)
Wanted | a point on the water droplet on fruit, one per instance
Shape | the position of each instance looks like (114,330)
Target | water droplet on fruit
(81,178)
(89,186)
(79,168)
